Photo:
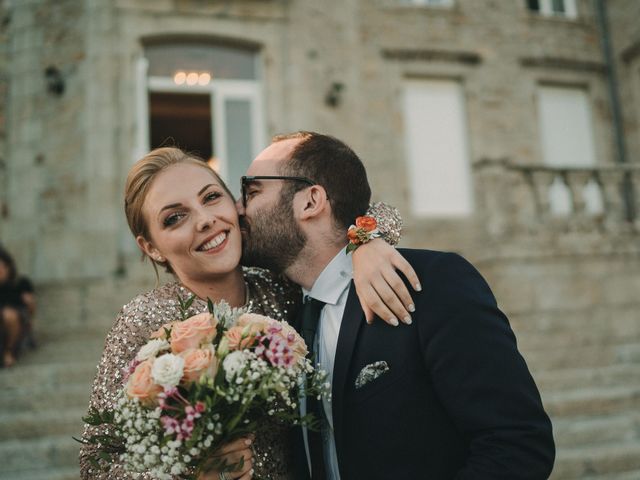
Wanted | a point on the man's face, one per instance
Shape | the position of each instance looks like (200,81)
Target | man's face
(271,236)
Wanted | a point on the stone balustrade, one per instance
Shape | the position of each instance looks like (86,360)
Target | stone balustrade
(531,198)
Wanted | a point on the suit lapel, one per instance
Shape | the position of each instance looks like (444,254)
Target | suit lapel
(352,320)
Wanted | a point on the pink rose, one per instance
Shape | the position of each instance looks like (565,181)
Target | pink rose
(238,338)
(199,361)
(140,384)
(192,332)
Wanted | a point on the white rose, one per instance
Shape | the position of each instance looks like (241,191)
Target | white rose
(151,349)
(233,363)
(167,370)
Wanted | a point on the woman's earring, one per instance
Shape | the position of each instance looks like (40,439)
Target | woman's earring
(158,258)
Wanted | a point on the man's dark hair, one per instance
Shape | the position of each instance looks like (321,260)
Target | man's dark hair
(333,165)
(7,259)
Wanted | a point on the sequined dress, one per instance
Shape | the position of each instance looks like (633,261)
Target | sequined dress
(268,294)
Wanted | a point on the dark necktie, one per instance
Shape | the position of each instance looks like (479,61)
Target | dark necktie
(309,325)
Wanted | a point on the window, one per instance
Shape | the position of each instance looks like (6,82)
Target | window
(564,117)
(204,98)
(559,8)
(437,151)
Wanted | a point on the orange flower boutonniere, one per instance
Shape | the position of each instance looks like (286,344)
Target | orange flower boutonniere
(365,230)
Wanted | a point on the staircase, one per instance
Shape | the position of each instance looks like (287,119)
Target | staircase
(586,362)
(42,401)
(588,372)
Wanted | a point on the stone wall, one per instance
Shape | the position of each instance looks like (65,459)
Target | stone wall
(47,182)
(623,17)
(67,155)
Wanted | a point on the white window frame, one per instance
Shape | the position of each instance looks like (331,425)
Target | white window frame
(465,204)
(546,9)
(219,91)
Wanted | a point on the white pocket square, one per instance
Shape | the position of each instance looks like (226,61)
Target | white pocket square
(370,372)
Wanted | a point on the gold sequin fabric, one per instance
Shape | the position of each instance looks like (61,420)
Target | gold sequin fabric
(268,294)
(389,221)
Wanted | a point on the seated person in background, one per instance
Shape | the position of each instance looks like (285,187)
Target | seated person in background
(17,307)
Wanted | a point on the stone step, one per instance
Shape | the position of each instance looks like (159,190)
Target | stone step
(582,357)
(532,341)
(629,475)
(597,320)
(575,431)
(604,460)
(31,425)
(576,378)
(41,397)
(70,350)
(592,401)
(45,452)
(65,473)
(53,374)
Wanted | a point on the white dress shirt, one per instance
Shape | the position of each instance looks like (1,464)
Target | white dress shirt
(332,288)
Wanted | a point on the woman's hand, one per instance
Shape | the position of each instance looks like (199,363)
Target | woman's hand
(232,454)
(380,289)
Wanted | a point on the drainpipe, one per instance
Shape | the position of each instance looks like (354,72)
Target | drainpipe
(614,99)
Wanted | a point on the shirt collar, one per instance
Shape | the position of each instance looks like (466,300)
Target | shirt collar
(333,280)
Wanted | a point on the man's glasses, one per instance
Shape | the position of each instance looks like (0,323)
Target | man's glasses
(246,181)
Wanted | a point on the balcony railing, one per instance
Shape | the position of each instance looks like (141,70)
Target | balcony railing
(531,198)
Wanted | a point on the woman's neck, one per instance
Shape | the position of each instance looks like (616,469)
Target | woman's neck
(229,287)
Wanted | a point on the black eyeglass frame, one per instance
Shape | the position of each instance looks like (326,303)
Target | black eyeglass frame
(246,179)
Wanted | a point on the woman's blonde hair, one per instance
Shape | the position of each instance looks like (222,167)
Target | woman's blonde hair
(140,179)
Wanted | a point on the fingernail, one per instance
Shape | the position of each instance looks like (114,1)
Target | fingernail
(407,320)
(394,321)
(411,307)
(418,287)
(247,441)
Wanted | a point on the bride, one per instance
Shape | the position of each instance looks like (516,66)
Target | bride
(184,219)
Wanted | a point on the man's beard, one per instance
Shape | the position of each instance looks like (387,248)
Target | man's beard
(272,239)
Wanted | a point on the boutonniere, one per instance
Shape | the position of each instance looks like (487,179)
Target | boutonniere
(365,230)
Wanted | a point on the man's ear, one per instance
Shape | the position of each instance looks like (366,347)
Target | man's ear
(312,202)
(148,249)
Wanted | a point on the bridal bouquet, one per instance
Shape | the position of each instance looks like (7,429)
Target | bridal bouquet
(201,382)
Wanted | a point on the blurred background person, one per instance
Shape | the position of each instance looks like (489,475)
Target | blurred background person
(17,308)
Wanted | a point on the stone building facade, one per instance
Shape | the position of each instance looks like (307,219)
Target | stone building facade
(567,272)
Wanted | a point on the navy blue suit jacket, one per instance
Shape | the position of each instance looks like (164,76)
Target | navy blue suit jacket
(458,401)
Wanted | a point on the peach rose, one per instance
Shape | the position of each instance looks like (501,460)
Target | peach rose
(240,337)
(199,361)
(258,323)
(140,384)
(193,331)
(161,333)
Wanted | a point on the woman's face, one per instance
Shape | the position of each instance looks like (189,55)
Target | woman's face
(193,223)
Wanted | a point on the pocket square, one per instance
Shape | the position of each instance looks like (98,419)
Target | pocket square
(370,372)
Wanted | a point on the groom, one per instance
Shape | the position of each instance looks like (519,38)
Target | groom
(446,397)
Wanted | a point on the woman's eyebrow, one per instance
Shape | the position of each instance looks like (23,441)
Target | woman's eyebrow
(204,188)
(167,207)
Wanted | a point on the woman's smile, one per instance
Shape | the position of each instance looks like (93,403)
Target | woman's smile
(214,243)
